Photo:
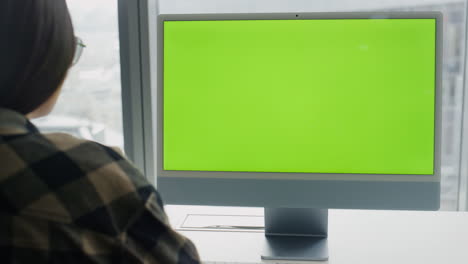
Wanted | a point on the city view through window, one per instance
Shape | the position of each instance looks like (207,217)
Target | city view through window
(90,104)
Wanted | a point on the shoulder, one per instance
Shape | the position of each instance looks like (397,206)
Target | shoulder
(84,182)
(68,143)
(90,156)
(34,148)
(107,168)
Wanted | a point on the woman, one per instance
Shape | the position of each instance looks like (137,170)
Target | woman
(63,199)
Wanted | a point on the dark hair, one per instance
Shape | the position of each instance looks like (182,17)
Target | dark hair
(37,46)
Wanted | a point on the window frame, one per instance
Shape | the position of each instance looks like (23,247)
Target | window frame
(463,172)
(137,31)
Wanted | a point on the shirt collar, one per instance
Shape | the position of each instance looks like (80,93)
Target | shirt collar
(13,123)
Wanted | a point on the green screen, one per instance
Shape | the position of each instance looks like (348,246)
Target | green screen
(306,96)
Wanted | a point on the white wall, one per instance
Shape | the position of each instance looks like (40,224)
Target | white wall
(252,6)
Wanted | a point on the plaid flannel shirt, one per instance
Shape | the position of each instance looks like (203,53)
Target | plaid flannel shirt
(67,200)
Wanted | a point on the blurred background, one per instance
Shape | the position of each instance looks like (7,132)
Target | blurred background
(90,105)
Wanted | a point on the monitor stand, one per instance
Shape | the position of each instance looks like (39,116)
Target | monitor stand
(296,234)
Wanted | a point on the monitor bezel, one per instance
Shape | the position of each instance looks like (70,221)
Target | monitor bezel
(171,181)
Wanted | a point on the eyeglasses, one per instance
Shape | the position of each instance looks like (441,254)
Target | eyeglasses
(79,50)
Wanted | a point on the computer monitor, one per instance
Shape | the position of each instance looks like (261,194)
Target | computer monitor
(300,110)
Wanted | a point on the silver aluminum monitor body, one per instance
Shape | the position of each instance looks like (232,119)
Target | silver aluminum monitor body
(300,190)
(294,231)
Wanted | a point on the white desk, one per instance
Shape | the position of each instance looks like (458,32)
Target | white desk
(374,237)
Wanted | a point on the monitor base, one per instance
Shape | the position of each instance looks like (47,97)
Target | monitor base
(296,234)
(296,248)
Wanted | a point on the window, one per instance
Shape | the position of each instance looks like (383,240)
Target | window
(452,88)
(90,103)
(453,55)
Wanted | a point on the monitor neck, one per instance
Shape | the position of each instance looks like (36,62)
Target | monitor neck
(296,234)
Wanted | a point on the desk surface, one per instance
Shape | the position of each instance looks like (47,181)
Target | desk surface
(355,236)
